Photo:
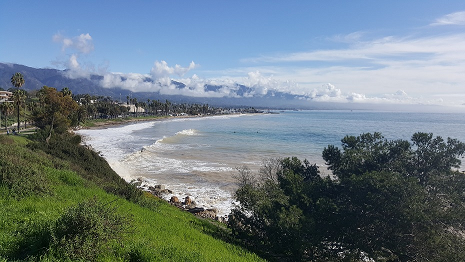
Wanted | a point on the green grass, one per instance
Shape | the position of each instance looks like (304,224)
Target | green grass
(153,231)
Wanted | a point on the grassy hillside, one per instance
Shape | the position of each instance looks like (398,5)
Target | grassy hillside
(58,204)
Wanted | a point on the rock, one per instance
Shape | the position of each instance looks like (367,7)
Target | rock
(204,213)
(213,210)
(166,191)
(187,201)
(196,210)
(136,183)
(174,200)
(190,206)
(160,187)
(221,219)
(209,213)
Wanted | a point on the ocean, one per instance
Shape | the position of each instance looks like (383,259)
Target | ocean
(198,157)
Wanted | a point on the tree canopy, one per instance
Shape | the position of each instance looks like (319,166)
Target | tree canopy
(56,111)
(389,200)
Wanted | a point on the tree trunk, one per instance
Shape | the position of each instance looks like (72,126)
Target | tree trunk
(18,117)
(51,129)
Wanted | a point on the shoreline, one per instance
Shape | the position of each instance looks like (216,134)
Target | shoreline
(175,191)
(108,123)
(124,121)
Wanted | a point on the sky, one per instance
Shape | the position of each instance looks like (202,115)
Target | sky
(388,52)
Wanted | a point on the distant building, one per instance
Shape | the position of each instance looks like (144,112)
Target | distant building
(5,96)
(132,108)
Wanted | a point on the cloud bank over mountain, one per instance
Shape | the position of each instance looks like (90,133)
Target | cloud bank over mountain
(166,80)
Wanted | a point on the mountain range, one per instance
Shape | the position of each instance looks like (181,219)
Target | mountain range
(241,96)
(35,78)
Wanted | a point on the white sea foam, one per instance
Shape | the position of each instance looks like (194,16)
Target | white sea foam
(107,140)
(172,159)
(187,132)
(205,195)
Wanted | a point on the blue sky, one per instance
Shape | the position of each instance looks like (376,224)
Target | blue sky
(409,52)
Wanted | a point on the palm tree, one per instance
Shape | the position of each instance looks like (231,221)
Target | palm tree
(18,81)
(18,97)
(134,102)
(66,91)
(2,110)
(167,107)
(6,108)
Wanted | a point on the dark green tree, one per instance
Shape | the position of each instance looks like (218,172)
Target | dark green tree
(57,112)
(66,91)
(6,108)
(386,200)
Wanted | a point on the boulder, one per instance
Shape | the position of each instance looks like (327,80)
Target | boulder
(174,200)
(187,201)
(166,191)
(136,183)
(221,219)
(160,187)
(196,210)
(190,206)
(209,213)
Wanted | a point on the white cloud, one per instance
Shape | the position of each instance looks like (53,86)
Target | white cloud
(349,38)
(421,66)
(382,50)
(75,70)
(73,63)
(327,92)
(82,43)
(457,18)
(162,70)
(131,81)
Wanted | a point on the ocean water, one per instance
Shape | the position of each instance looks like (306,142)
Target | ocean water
(198,157)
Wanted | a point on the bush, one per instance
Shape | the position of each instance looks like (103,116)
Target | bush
(21,172)
(88,164)
(83,231)
(387,200)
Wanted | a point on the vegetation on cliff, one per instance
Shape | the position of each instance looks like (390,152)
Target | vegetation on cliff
(388,201)
(60,201)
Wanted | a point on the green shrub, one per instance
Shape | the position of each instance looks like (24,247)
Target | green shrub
(23,181)
(88,164)
(21,172)
(83,231)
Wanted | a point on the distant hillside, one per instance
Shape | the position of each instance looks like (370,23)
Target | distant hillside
(35,78)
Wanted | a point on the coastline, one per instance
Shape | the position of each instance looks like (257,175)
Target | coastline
(108,123)
(123,121)
(183,195)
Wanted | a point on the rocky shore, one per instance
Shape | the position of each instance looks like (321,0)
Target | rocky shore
(187,204)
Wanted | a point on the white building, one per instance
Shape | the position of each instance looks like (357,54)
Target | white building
(5,96)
